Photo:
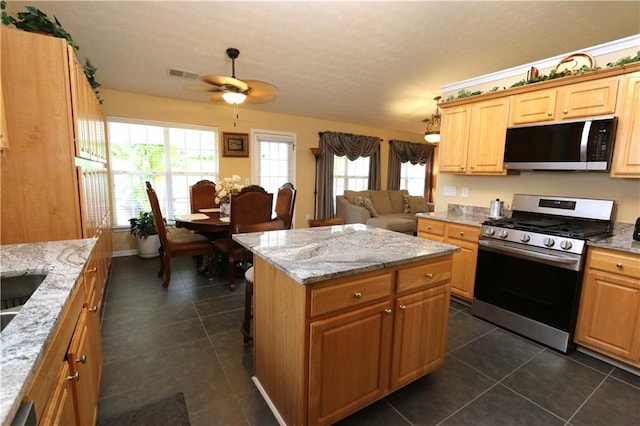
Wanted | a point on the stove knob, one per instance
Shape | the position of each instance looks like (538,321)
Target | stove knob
(490,232)
(525,238)
(566,245)
(548,242)
(503,234)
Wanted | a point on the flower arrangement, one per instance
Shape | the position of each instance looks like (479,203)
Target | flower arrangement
(226,188)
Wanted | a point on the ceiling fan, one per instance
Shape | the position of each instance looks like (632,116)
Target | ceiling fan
(233,90)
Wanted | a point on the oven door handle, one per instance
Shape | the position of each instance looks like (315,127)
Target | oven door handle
(527,253)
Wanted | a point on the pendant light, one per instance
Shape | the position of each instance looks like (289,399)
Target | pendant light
(432,130)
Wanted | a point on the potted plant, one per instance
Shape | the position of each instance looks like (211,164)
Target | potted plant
(144,229)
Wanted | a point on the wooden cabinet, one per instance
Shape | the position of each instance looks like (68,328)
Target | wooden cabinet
(325,350)
(463,271)
(473,138)
(586,99)
(609,314)
(60,409)
(55,125)
(626,155)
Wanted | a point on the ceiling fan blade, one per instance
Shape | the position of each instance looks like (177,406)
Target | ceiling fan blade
(260,92)
(195,88)
(223,81)
(216,97)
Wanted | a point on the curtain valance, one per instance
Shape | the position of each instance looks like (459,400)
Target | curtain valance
(353,146)
(416,153)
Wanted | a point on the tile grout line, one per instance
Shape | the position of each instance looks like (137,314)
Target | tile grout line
(589,397)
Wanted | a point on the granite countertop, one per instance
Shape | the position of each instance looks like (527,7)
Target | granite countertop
(620,240)
(311,255)
(23,341)
(464,215)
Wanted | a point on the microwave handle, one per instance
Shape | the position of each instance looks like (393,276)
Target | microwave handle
(584,140)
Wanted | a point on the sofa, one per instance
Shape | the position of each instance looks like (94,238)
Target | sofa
(388,209)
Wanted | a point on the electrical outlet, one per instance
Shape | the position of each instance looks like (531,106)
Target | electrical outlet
(449,191)
(465,192)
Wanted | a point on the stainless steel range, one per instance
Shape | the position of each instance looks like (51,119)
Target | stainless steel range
(529,271)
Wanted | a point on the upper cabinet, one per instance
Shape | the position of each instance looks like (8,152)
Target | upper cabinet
(474,129)
(626,154)
(473,137)
(573,101)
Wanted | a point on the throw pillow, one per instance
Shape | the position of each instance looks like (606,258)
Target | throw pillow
(369,206)
(358,201)
(416,204)
(406,205)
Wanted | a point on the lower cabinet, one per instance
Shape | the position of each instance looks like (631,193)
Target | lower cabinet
(609,314)
(463,273)
(66,386)
(358,339)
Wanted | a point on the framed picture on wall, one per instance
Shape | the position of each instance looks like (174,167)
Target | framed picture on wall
(235,144)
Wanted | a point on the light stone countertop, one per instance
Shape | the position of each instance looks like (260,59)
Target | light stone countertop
(620,240)
(310,255)
(464,215)
(23,341)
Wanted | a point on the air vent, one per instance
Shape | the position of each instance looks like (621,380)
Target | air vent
(174,72)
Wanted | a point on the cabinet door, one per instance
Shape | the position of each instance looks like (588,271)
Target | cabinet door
(420,334)
(626,155)
(60,407)
(487,136)
(349,361)
(609,316)
(84,362)
(463,270)
(591,98)
(533,107)
(452,155)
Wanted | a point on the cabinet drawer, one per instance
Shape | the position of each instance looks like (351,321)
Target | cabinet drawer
(615,262)
(431,226)
(349,294)
(462,232)
(425,275)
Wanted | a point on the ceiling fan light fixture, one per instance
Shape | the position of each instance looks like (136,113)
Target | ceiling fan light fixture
(432,130)
(234,98)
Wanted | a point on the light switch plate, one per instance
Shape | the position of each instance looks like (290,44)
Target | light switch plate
(449,191)
(465,192)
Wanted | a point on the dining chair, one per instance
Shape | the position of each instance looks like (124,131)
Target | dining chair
(186,244)
(251,205)
(285,203)
(273,225)
(314,223)
(202,195)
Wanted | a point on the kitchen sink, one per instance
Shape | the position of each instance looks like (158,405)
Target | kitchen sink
(14,292)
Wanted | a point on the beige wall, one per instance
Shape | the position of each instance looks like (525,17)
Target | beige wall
(134,105)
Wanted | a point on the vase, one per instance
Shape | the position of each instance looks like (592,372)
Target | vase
(225,209)
(148,248)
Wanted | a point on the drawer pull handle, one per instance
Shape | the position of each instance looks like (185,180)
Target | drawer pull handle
(619,265)
(403,307)
(429,275)
(461,234)
(429,227)
(357,295)
(565,111)
(75,377)
(388,311)
(82,359)
(95,308)
(94,269)
(549,113)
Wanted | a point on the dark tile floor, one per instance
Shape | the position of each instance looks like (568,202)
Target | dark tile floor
(187,339)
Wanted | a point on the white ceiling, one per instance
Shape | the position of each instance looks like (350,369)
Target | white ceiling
(373,63)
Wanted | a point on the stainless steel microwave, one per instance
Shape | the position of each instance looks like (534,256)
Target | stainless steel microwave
(569,145)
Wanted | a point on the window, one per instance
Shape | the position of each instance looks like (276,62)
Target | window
(352,175)
(171,156)
(274,161)
(412,178)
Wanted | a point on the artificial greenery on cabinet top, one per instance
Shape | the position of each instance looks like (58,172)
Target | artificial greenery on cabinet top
(36,21)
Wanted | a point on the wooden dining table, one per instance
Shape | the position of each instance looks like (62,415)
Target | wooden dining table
(210,225)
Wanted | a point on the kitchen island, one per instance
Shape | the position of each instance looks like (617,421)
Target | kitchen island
(343,316)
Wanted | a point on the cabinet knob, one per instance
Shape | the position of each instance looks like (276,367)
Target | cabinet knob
(565,111)
(94,269)
(357,295)
(461,234)
(473,167)
(75,377)
(428,227)
(461,167)
(403,307)
(95,308)
(82,359)
(388,311)
(549,113)
(619,265)
(429,275)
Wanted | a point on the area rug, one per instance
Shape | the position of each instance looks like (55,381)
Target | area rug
(171,411)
